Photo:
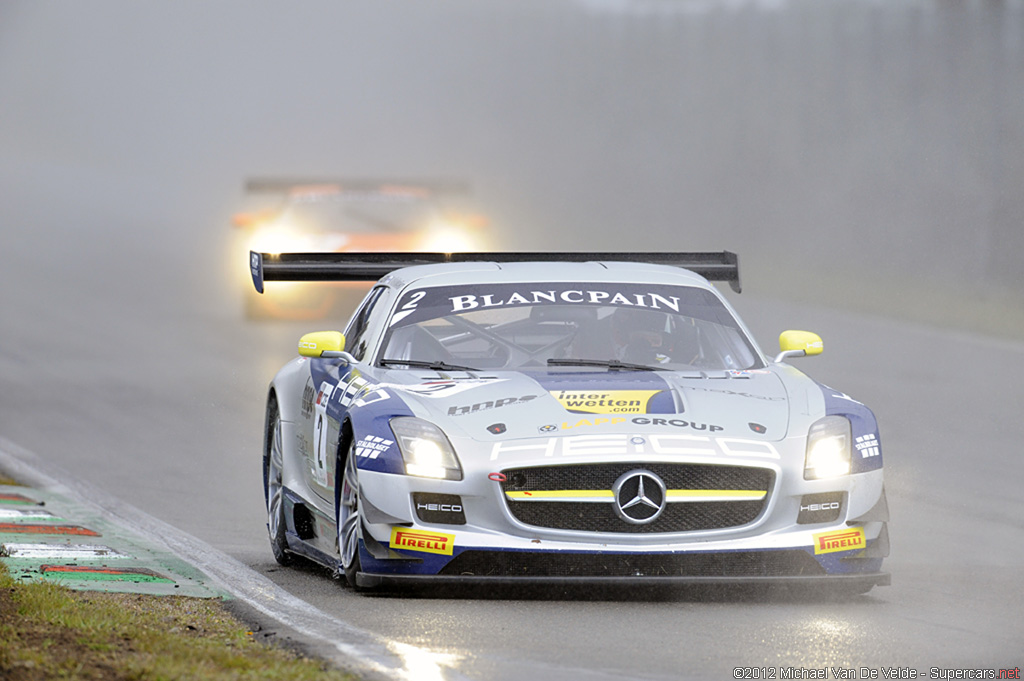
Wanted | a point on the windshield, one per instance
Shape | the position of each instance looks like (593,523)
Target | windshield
(522,326)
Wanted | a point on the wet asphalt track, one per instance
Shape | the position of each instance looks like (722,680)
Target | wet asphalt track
(124,359)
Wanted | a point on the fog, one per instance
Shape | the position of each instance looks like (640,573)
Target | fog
(848,147)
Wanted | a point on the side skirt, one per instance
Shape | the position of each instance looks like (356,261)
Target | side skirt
(304,549)
(309,532)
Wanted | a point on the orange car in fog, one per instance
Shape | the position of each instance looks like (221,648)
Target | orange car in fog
(350,216)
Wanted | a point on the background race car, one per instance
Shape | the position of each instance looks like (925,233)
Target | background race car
(353,215)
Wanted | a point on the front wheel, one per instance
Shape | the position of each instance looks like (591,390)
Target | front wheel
(273,485)
(349,519)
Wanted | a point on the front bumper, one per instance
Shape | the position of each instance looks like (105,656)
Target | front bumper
(620,567)
(494,547)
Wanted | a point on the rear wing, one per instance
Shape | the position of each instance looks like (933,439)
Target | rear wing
(714,266)
(285,185)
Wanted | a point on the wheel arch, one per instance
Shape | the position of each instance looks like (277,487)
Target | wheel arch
(346,436)
(288,386)
(267,429)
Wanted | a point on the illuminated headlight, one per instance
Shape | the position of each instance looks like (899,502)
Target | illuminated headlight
(425,449)
(449,239)
(828,448)
(278,237)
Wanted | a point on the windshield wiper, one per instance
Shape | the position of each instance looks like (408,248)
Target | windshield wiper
(423,364)
(611,364)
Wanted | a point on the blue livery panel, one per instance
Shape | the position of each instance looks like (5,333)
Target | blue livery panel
(375,446)
(867,442)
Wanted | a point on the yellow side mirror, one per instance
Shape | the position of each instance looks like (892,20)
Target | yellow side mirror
(318,343)
(798,344)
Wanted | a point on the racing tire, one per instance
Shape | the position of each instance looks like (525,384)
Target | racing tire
(350,523)
(273,485)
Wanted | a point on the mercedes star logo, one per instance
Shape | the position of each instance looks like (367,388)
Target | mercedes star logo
(639,497)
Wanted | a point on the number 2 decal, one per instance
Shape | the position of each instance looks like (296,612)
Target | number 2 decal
(408,308)
(414,300)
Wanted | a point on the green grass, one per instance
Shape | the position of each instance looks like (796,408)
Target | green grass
(50,632)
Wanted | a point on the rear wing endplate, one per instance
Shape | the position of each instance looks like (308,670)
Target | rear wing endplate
(714,266)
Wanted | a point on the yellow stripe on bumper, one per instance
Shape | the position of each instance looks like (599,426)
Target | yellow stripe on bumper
(606,495)
(600,495)
(715,494)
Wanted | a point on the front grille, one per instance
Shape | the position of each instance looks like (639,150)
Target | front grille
(686,516)
(678,517)
(791,562)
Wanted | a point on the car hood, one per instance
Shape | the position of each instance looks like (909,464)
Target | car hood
(514,405)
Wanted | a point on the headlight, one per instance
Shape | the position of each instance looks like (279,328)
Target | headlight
(425,449)
(450,239)
(828,448)
(278,237)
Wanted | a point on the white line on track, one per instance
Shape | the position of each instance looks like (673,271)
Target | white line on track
(359,651)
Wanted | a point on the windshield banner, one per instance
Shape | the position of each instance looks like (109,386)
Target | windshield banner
(432,303)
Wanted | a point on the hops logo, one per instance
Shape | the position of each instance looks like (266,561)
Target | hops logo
(489,404)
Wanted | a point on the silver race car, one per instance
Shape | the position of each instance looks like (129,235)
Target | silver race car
(560,418)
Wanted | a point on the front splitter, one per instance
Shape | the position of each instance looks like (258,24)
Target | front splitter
(848,583)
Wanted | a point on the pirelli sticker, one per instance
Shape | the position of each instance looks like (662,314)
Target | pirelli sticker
(840,540)
(422,540)
(605,401)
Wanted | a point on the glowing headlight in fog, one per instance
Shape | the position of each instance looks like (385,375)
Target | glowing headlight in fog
(425,449)
(828,448)
(449,239)
(278,238)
